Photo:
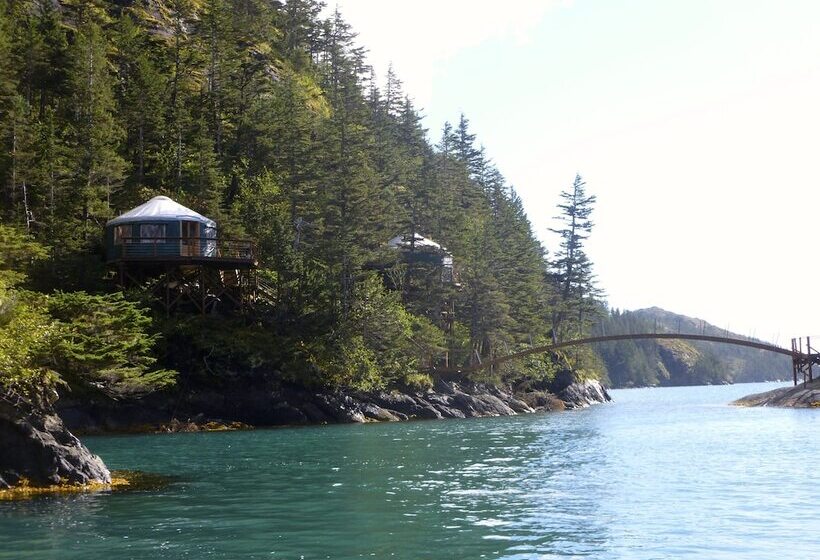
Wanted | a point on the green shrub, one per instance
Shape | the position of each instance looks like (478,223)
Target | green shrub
(26,335)
(19,251)
(224,347)
(103,344)
(378,344)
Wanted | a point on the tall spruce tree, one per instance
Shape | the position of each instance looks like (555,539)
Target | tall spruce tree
(142,82)
(577,294)
(96,135)
(352,217)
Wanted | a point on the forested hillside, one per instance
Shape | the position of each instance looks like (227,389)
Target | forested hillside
(265,117)
(643,363)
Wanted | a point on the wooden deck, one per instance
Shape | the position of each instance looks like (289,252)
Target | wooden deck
(212,253)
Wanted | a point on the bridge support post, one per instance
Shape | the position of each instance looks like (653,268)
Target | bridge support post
(803,362)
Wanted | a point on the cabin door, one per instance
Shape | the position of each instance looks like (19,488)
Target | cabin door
(190,239)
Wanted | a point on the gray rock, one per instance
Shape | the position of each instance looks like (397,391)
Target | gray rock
(395,401)
(35,445)
(375,412)
(425,410)
(267,402)
(543,400)
(583,393)
(412,407)
(444,405)
(520,407)
(466,403)
(314,414)
(481,405)
(495,406)
(284,413)
(400,415)
(341,408)
(804,395)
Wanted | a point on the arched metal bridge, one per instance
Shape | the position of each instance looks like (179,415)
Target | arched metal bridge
(802,361)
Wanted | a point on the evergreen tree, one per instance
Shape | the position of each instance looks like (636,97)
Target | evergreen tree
(32,78)
(95,135)
(141,86)
(577,295)
(352,219)
(184,61)
(465,150)
(103,345)
(484,305)
(301,30)
(49,171)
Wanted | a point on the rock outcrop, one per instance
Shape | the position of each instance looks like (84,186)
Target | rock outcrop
(37,449)
(805,395)
(272,405)
(582,394)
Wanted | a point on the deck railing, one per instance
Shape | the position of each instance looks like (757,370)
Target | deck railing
(173,248)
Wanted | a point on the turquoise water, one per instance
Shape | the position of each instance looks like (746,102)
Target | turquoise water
(660,473)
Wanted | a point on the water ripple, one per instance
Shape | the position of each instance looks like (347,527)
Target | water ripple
(666,473)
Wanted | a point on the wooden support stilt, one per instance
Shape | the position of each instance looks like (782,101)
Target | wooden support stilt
(202,291)
(167,280)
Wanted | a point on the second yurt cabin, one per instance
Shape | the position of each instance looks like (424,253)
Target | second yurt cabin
(416,248)
(160,229)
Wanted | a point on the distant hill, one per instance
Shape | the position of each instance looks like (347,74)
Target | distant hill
(673,362)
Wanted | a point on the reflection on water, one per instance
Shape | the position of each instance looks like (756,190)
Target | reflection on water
(664,473)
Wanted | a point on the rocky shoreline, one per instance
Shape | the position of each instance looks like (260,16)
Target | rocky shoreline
(38,450)
(804,395)
(201,409)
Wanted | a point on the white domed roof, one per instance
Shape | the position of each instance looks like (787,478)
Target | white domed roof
(160,209)
(420,242)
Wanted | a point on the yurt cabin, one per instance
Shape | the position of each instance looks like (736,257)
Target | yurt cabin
(176,252)
(160,229)
(416,248)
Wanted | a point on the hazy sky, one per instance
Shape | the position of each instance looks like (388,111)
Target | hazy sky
(695,122)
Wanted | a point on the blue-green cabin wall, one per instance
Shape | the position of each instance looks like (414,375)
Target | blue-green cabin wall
(173,228)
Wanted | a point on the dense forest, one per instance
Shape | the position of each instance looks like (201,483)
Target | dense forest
(264,116)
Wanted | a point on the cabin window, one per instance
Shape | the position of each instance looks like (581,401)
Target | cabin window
(122,234)
(152,233)
(190,239)
(190,230)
